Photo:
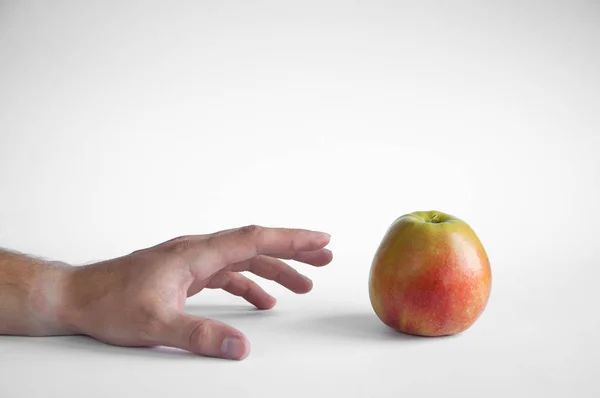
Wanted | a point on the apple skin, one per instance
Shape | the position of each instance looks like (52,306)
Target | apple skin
(430,275)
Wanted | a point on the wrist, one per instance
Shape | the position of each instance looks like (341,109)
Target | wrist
(51,302)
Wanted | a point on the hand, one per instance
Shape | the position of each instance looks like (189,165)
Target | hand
(138,299)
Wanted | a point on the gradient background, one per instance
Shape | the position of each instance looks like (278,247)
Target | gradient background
(126,124)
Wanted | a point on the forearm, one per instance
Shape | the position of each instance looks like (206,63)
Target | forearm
(32,295)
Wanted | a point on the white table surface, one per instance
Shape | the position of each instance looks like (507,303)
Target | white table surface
(314,346)
(126,124)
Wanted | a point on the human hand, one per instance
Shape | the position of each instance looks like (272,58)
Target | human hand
(138,299)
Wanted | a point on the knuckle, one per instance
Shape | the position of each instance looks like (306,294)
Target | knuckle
(199,333)
(250,230)
(180,244)
(211,240)
(251,287)
(245,232)
(292,246)
(179,239)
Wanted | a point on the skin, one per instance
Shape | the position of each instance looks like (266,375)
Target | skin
(430,275)
(138,299)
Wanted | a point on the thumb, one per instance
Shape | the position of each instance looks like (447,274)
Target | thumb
(204,336)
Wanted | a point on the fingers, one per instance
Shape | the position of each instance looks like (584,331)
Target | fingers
(318,258)
(241,286)
(269,268)
(241,244)
(278,271)
(247,242)
(203,336)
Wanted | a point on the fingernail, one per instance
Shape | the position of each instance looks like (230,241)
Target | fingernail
(325,235)
(233,348)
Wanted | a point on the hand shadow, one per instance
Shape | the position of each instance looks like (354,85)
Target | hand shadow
(227,312)
(90,345)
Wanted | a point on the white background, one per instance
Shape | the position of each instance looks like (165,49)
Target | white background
(126,124)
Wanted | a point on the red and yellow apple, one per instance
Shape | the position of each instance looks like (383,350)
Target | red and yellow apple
(430,275)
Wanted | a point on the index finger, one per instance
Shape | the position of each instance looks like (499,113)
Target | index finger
(222,249)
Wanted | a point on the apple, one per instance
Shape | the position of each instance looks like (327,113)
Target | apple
(430,275)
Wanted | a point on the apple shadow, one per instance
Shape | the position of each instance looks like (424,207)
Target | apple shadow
(355,325)
(363,326)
